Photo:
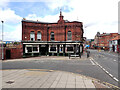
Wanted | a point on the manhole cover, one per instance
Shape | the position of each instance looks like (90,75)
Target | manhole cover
(10,81)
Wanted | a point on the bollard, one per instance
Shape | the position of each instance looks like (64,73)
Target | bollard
(88,54)
(80,54)
(69,56)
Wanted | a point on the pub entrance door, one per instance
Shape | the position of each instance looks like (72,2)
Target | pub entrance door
(44,49)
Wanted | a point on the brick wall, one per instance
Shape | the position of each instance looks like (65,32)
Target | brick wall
(58,29)
(15,52)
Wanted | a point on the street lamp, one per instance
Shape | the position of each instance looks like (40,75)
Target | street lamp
(2,42)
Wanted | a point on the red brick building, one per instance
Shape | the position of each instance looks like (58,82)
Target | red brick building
(102,40)
(43,38)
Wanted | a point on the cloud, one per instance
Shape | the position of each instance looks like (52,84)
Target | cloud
(53,4)
(15,34)
(48,18)
(9,16)
(12,27)
(96,15)
(91,31)
(4,3)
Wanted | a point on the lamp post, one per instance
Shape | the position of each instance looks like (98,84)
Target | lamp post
(2,42)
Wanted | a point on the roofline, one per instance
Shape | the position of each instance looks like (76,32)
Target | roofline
(107,34)
(51,41)
(115,38)
(47,22)
(35,21)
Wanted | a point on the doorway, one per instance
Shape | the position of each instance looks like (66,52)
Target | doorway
(8,54)
(43,49)
(113,48)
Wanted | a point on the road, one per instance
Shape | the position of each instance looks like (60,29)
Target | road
(87,67)
(108,61)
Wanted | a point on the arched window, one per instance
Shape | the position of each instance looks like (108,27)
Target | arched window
(69,35)
(32,36)
(52,36)
(39,36)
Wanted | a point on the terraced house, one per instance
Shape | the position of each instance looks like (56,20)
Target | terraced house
(60,38)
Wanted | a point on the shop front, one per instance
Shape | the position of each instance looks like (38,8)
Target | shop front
(52,48)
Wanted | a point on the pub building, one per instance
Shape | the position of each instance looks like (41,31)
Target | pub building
(52,39)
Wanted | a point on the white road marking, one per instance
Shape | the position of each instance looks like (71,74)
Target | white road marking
(92,62)
(116,79)
(92,58)
(114,60)
(100,66)
(111,75)
(105,70)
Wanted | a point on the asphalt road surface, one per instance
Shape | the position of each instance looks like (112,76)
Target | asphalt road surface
(86,67)
(108,62)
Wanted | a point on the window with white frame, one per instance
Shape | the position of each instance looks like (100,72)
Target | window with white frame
(39,36)
(69,35)
(52,48)
(29,50)
(32,36)
(69,48)
(32,49)
(52,36)
(35,48)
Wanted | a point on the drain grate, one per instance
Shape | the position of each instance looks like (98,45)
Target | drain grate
(42,70)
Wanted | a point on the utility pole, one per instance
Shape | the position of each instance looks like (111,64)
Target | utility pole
(2,42)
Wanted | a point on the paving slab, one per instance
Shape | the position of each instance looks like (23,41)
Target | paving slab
(89,84)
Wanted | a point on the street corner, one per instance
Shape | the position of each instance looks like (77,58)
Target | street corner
(104,85)
(98,84)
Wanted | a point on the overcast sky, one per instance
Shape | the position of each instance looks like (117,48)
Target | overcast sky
(96,15)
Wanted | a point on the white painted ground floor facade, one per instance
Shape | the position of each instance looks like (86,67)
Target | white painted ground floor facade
(52,48)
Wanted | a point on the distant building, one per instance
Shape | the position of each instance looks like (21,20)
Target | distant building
(114,44)
(92,44)
(96,40)
(43,38)
(102,40)
(89,42)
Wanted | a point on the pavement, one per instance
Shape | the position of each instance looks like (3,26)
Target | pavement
(49,79)
(38,78)
(42,78)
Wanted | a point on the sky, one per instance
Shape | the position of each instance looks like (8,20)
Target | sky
(96,15)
